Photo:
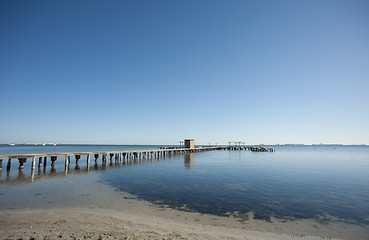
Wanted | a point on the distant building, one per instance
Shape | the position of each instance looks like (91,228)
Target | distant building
(189,143)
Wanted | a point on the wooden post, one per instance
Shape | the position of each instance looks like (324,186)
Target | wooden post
(1,164)
(53,159)
(66,164)
(33,163)
(39,162)
(88,161)
(77,157)
(21,162)
(9,164)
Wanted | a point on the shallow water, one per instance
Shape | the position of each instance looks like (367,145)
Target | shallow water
(295,182)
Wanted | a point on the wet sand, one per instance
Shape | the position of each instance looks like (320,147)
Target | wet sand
(110,214)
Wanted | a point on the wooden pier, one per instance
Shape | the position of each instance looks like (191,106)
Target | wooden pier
(40,159)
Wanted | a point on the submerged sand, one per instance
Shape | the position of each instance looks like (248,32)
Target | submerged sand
(111,214)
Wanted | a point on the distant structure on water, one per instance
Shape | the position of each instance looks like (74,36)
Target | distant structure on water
(189,143)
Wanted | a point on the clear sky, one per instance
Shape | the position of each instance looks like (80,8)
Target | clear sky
(155,72)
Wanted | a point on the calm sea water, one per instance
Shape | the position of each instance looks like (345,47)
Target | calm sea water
(295,182)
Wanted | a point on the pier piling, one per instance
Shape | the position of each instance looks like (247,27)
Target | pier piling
(53,159)
(9,164)
(33,163)
(21,162)
(66,161)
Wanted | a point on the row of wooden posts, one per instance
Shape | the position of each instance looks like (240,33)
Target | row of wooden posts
(121,155)
(51,171)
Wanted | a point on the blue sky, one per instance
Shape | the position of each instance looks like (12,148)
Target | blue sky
(155,72)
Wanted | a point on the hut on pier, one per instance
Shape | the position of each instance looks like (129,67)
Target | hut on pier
(189,143)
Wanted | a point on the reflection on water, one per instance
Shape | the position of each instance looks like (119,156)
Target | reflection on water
(189,160)
(292,183)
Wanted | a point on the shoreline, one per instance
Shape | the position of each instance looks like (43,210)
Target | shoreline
(111,214)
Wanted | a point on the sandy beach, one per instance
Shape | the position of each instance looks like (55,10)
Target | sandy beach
(104,224)
(109,214)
